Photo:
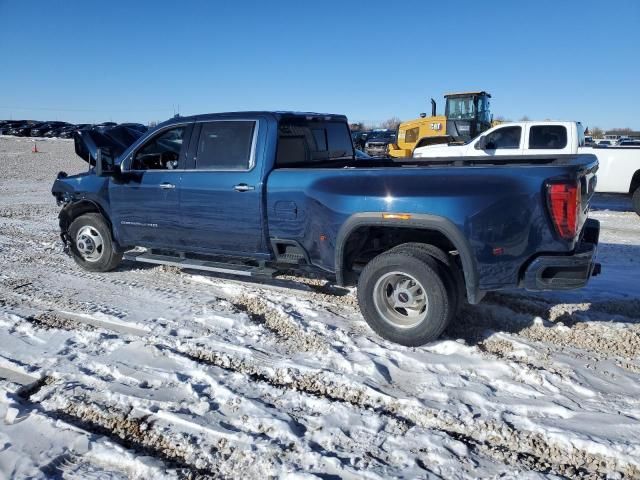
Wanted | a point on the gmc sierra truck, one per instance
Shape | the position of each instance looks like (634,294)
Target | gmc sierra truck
(255,193)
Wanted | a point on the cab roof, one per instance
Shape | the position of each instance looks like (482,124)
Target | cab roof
(278,114)
(466,94)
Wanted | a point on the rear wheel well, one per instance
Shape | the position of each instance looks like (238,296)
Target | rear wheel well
(635,182)
(366,242)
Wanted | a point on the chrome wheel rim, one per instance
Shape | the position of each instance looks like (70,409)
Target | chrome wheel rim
(89,243)
(400,299)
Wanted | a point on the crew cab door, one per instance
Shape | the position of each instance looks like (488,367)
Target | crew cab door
(550,139)
(221,195)
(145,199)
(507,140)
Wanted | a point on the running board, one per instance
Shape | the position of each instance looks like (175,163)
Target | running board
(228,268)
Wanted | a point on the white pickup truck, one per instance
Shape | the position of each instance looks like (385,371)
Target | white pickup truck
(619,170)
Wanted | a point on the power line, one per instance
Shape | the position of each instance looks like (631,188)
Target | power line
(87,110)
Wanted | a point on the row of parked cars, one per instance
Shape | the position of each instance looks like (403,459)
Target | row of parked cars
(608,142)
(32,128)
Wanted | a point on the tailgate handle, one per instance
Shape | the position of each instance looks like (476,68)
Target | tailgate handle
(243,187)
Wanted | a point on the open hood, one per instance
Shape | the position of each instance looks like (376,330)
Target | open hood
(116,139)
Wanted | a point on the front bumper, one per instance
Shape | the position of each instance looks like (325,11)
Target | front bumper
(566,272)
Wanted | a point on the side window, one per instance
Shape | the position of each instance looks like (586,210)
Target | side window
(225,145)
(411,135)
(547,137)
(302,141)
(162,152)
(506,137)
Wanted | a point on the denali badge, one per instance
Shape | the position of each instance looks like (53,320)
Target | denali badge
(139,224)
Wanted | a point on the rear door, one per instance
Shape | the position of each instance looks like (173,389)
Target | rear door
(145,200)
(221,195)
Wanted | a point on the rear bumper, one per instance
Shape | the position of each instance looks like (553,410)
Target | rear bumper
(566,272)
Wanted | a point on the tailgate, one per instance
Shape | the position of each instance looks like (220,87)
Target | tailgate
(588,179)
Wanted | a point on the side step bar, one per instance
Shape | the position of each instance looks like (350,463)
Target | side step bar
(219,267)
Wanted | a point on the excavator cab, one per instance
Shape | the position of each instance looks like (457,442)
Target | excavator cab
(468,115)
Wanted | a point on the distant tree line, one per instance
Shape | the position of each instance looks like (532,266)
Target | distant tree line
(394,122)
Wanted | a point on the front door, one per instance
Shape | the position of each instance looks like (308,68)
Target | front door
(221,194)
(505,140)
(145,200)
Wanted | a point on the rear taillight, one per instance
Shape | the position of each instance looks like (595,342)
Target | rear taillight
(564,207)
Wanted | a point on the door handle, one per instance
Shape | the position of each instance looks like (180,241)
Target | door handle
(167,186)
(243,187)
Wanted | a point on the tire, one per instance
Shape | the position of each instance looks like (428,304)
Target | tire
(411,278)
(451,269)
(91,243)
(636,200)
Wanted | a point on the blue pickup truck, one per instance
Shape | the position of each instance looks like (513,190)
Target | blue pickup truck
(254,193)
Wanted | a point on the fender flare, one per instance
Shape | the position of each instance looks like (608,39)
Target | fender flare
(419,221)
(84,205)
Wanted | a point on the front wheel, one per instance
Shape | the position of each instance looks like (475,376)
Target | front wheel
(404,298)
(636,200)
(92,246)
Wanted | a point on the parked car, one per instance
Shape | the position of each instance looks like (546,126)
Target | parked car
(135,126)
(359,138)
(604,143)
(104,125)
(378,141)
(68,132)
(43,128)
(629,143)
(25,129)
(15,127)
(252,193)
(7,125)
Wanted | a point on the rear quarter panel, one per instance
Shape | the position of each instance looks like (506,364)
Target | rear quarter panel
(492,206)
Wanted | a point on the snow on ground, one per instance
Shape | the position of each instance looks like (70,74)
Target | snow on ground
(153,372)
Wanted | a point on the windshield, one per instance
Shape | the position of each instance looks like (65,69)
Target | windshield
(382,134)
(460,108)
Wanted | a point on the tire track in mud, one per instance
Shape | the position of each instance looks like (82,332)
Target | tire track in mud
(144,431)
(293,335)
(564,326)
(136,433)
(316,384)
(488,437)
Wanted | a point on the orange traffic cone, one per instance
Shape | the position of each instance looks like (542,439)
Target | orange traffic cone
(35,148)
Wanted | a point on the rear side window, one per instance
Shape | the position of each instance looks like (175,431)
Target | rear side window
(506,137)
(309,141)
(225,145)
(547,137)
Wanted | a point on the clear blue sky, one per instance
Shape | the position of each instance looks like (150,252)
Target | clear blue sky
(135,60)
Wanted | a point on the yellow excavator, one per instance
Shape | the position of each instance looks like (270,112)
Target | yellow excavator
(466,115)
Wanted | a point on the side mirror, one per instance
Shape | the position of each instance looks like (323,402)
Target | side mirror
(481,144)
(104,162)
